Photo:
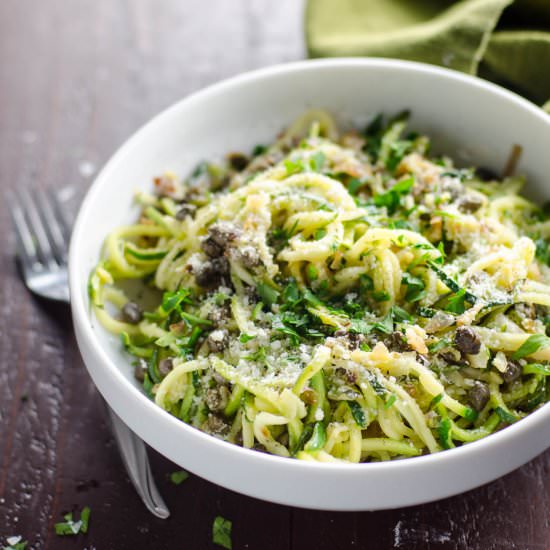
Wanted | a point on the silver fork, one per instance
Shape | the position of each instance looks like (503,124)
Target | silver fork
(42,234)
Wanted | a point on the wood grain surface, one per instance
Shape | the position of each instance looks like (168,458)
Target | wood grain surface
(76,78)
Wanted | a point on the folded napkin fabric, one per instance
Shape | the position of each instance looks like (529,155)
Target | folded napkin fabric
(507,41)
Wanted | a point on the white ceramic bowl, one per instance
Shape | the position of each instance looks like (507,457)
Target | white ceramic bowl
(467,117)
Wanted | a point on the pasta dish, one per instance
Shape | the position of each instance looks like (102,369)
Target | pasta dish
(335,296)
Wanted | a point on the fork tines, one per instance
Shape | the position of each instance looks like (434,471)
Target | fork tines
(41,230)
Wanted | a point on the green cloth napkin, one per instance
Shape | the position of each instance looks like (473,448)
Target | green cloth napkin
(506,41)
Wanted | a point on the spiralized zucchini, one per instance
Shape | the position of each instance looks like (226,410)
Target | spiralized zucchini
(335,297)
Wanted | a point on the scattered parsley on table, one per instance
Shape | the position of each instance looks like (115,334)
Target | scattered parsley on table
(221,532)
(15,543)
(178,477)
(71,526)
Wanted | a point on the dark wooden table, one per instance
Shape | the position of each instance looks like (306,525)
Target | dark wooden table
(76,78)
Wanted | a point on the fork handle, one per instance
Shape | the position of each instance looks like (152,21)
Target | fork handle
(134,457)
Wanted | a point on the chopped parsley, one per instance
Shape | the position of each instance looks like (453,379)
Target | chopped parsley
(400,315)
(15,543)
(317,161)
(259,150)
(531,345)
(392,199)
(319,233)
(178,477)
(71,526)
(457,302)
(293,167)
(439,345)
(268,294)
(221,532)
(415,287)
(291,333)
(537,368)
(172,300)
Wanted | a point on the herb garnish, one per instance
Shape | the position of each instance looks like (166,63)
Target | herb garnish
(317,161)
(268,294)
(293,167)
(221,532)
(392,198)
(178,477)
(531,345)
(415,287)
(72,527)
(15,543)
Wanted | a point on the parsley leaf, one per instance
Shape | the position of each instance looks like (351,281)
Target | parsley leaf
(317,161)
(259,355)
(392,198)
(293,167)
(291,333)
(536,368)
(531,345)
(457,303)
(177,478)
(15,543)
(221,532)
(291,294)
(268,294)
(71,527)
(319,233)
(398,149)
(259,150)
(415,287)
(360,326)
(400,315)
(439,345)
(171,300)
(244,338)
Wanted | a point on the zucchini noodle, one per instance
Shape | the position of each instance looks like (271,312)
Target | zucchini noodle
(335,297)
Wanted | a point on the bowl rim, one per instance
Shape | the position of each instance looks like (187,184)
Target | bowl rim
(80,306)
